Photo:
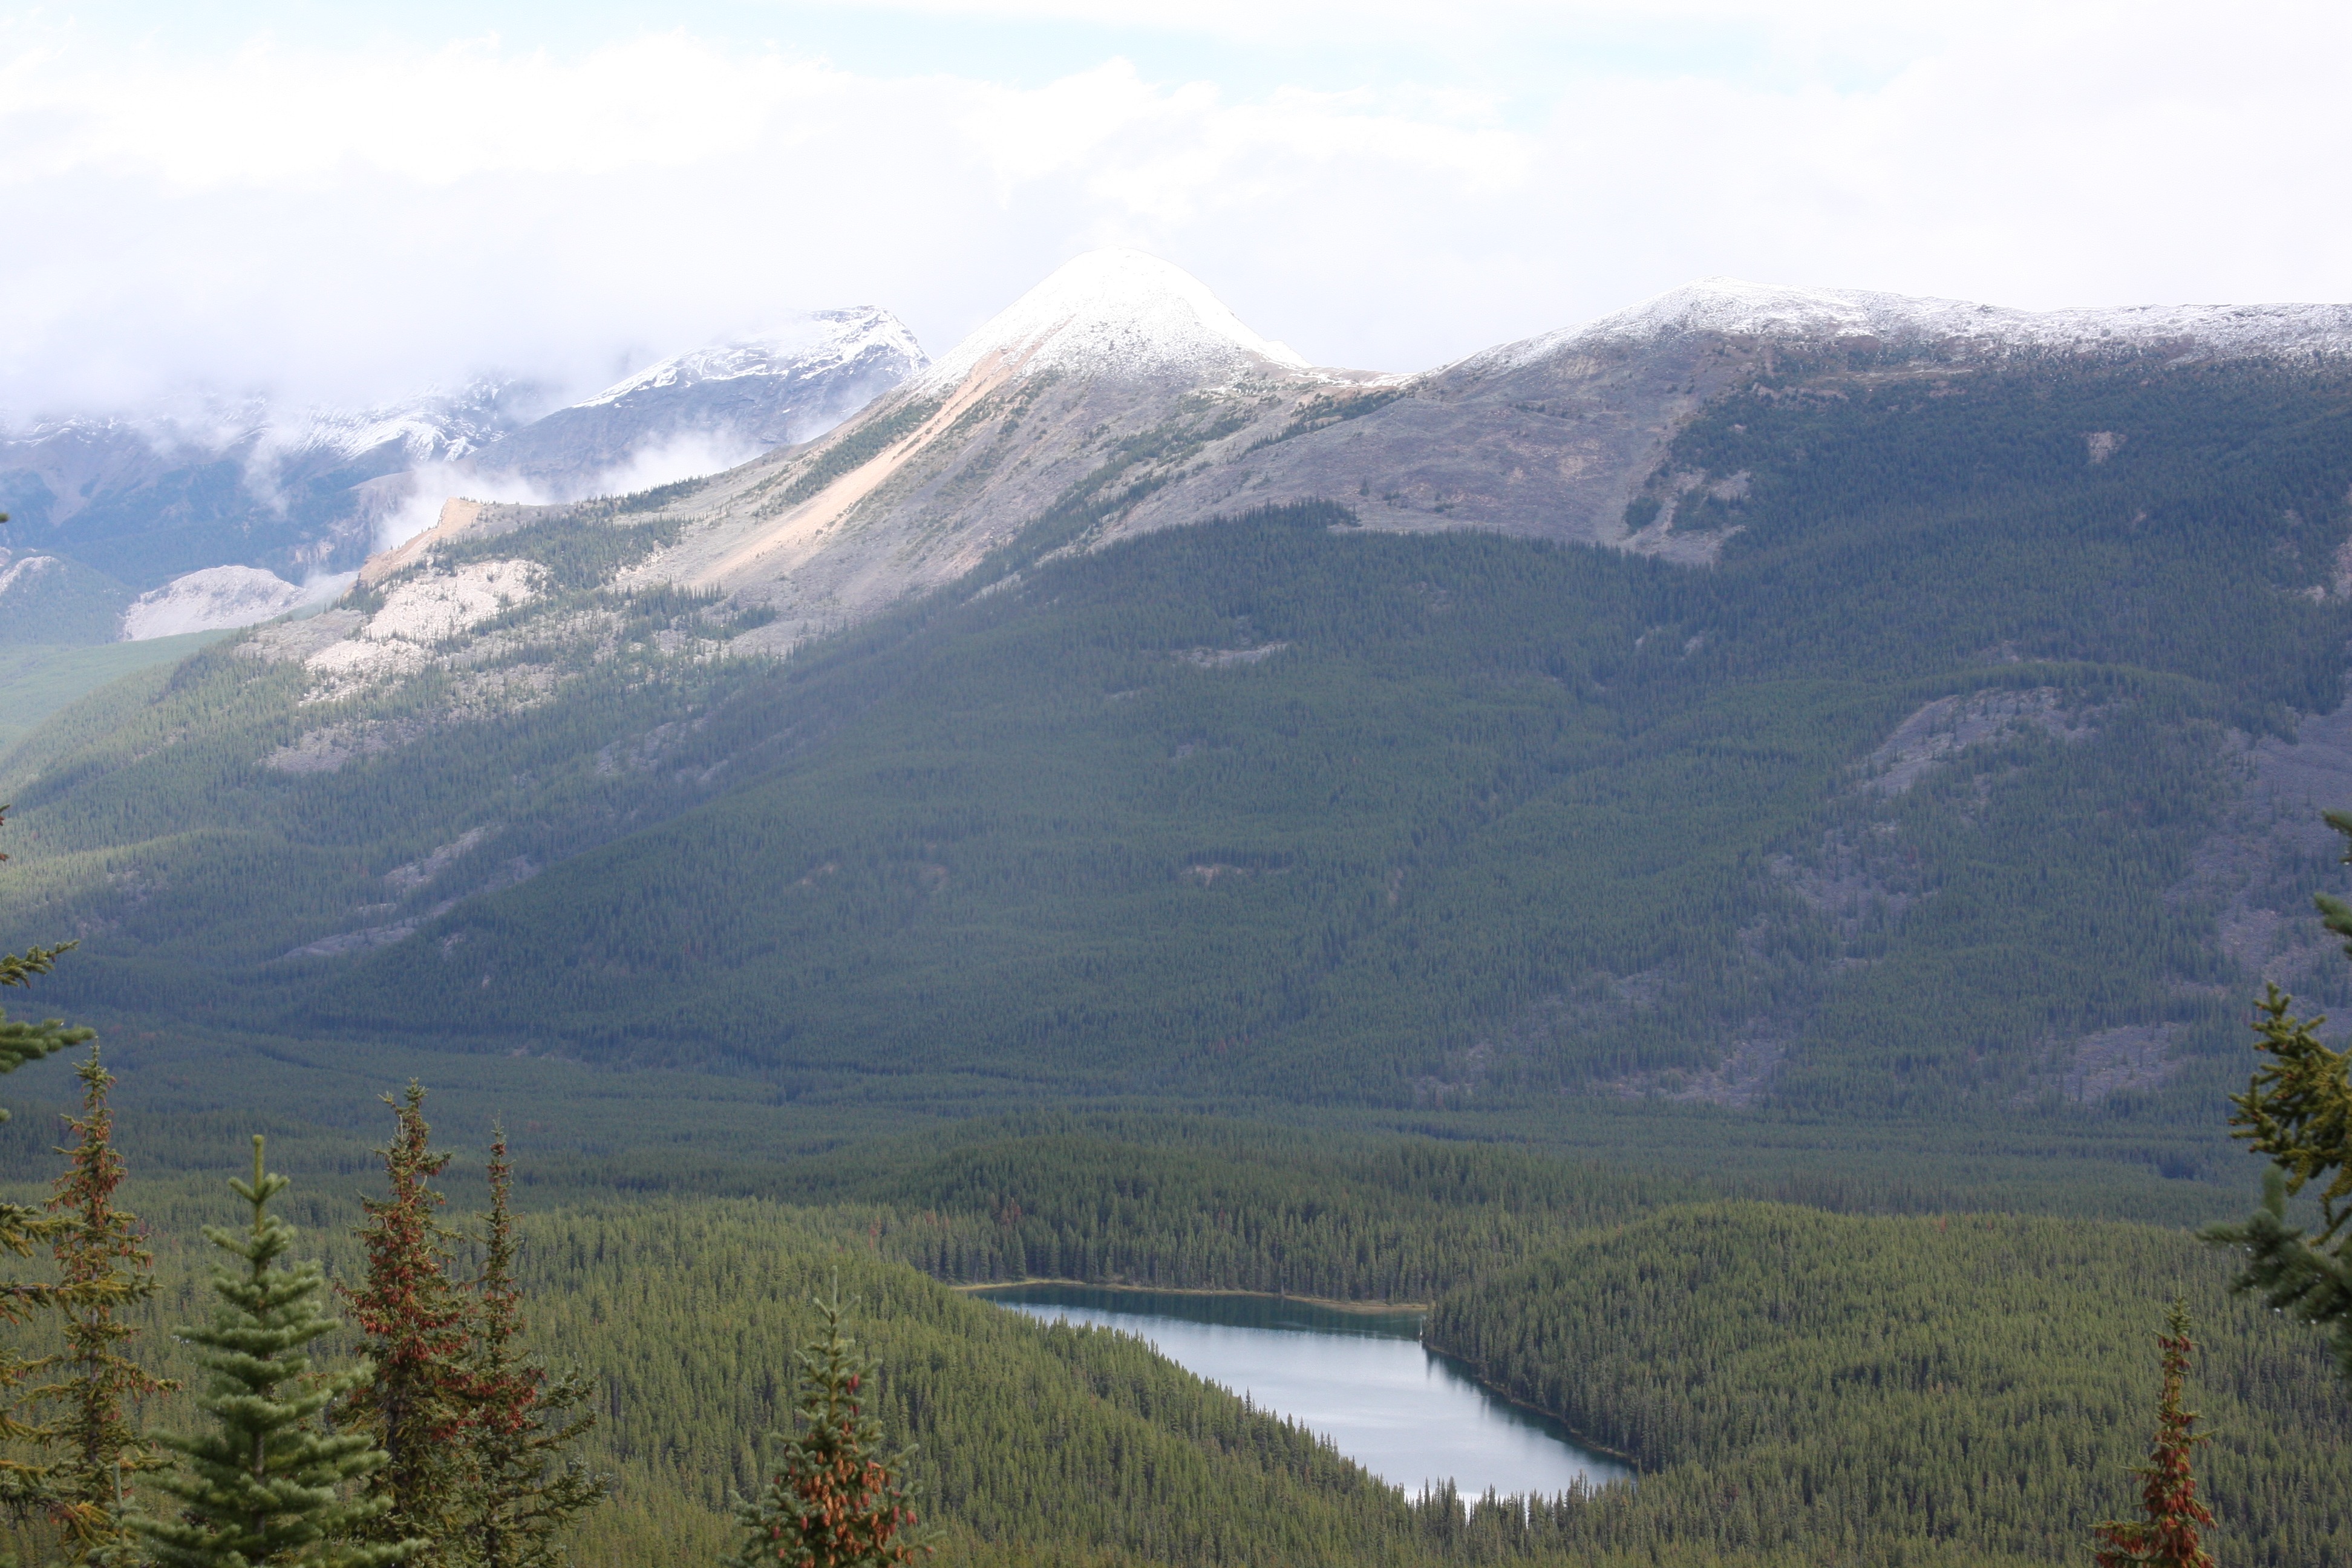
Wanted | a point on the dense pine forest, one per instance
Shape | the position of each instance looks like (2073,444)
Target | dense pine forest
(1792,1385)
(1777,1018)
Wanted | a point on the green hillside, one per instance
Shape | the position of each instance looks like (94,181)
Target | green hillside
(1278,807)
(1850,1384)
(58,602)
(39,680)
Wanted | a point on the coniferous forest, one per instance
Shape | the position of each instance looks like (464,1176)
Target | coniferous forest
(1781,1020)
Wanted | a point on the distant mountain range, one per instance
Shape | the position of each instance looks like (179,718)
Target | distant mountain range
(124,524)
(1128,390)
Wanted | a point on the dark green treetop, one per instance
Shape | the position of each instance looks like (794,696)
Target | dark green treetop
(267,1484)
(2298,1111)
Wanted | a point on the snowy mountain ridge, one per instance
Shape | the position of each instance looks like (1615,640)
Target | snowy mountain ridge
(824,341)
(437,424)
(1117,313)
(1732,307)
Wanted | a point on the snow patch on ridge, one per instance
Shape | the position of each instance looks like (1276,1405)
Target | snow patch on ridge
(1119,314)
(1734,307)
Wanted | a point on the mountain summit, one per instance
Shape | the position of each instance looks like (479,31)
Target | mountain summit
(1734,307)
(1117,313)
(1104,378)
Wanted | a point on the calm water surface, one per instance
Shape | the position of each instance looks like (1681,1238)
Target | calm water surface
(1362,1380)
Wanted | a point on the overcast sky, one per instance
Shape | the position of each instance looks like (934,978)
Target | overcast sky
(308,199)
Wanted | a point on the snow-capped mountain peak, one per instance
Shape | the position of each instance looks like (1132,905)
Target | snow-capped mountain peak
(823,341)
(1734,308)
(1120,313)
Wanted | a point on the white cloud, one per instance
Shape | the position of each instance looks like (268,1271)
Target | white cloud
(348,223)
(427,488)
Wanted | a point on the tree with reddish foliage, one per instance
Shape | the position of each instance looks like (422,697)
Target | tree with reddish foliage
(838,1501)
(2168,1536)
(417,1406)
(101,1268)
(524,1489)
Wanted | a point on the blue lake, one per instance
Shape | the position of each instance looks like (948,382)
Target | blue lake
(1363,1380)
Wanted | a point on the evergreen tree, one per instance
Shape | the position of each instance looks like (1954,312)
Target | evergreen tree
(415,1406)
(22,1042)
(838,1500)
(525,1488)
(265,1486)
(101,1266)
(2168,1537)
(2297,1109)
(24,1484)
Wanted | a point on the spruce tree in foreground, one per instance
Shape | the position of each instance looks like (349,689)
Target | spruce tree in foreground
(838,1500)
(24,1484)
(525,1488)
(2298,1111)
(2168,1537)
(101,1268)
(265,1486)
(415,1406)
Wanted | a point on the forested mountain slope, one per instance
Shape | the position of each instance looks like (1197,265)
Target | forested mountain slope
(1969,774)
(1853,1386)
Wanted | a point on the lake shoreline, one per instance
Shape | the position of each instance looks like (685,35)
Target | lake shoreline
(1472,1370)
(1427,1414)
(1367,1308)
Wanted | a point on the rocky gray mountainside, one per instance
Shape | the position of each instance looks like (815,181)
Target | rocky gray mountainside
(1085,392)
(1557,436)
(1120,395)
(105,510)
